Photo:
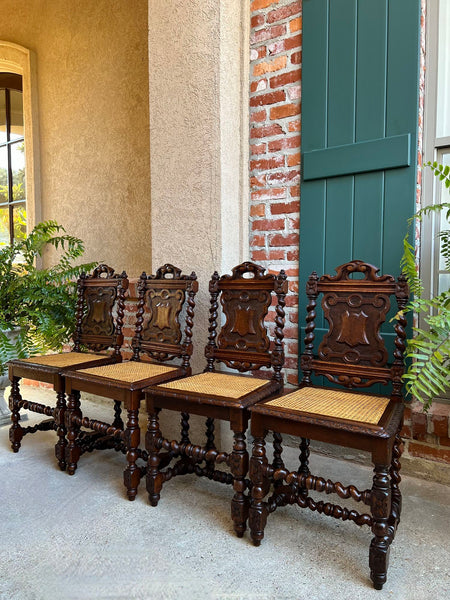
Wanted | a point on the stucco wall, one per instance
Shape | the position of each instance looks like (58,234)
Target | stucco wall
(92,77)
(198,56)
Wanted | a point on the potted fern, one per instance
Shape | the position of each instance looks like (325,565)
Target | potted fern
(36,305)
(428,374)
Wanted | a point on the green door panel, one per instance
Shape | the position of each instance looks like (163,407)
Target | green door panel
(360,94)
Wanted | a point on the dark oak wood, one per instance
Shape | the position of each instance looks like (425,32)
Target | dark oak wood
(243,344)
(352,353)
(99,322)
(166,302)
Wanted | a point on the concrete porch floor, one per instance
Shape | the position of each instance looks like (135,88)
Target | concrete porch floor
(74,538)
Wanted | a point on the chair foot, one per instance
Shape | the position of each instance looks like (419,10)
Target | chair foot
(153,499)
(256,542)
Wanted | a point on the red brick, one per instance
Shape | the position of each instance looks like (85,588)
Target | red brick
(292,348)
(265,164)
(444,441)
(268,224)
(431,452)
(292,378)
(276,255)
(293,318)
(258,210)
(266,99)
(291,363)
(258,117)
(406,431)
(440,425)
(276,47)
(258,180)
(270,66)
(288,176)
(285,78)
(286,110)
(267,131)
(258,86)
(293,286)
(284,12)
(257,20)
(419,425)
(408,413)
(294,223)
(290,239)
(295,191)
(292,255)
(281,208)
(292,300)
(295,25)
(293,160)
(284,143)
(291,333)
(267,33)
(294,125)
(291,272)
(258,240)
(270,194)
(293,42)
(257,53)
(294,92)
(296,58)
(259,255)
(259,4)
(128,332)
(258,149)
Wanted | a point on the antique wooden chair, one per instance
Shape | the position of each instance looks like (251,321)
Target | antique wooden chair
(242,344)
(165,299)
(353,354)
(99,320)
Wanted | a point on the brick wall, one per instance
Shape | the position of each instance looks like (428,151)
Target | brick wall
(275,93)
(275,72)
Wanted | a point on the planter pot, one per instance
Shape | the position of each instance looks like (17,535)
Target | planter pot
(5,413)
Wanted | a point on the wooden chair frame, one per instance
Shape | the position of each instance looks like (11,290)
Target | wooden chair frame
(241,344)
(96,329)
(381,439)
(162,296)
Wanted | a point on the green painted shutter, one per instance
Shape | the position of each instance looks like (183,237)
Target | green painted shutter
(360,94)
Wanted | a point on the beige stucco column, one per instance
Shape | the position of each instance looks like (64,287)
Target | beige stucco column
(198,86)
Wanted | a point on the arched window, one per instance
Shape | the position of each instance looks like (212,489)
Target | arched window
(12,159)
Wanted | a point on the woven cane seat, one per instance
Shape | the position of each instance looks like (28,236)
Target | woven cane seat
(217,384)
(330,403)
(65,359)
(128,372)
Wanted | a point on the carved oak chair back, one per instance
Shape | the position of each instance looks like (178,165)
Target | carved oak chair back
(353,352)
(243,342)
(163,332)
(164,298)
(100,310)
(98,327)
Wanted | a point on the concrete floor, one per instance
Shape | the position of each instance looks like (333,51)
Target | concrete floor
(78,538)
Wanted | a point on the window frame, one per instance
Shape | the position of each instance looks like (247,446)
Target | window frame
(433,149)
(11,81)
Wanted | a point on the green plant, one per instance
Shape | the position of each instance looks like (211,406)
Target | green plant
(428,374)
(40,302)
